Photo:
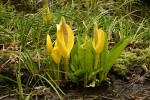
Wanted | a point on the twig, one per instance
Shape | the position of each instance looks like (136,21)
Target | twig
(4,64)
(107,98)
(144,98)
(8,95)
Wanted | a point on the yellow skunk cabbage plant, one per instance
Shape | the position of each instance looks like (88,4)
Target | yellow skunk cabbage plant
(88,60)
(63,45)
(65,42)
(91,60)
(98,45)
(98,39)
(46,14)
(54,53)
(49,44)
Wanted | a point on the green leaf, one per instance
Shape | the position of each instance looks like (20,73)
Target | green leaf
(74,62)
(86,56)
(72,68)
(74,56)
(94,72)
(79,73)
(114,54)
(73,78)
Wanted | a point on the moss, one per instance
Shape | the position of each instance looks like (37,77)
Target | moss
(130,59)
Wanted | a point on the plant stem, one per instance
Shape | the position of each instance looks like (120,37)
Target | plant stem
(58,75)
(96,60)
(20,86)
(19,82)
(66,67)
(54,74)
(95,64)
(85,80)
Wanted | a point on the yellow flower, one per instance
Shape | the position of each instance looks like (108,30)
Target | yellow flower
(98,45)
(98,40)
(46,12)
(65,38)
(55,54)
(65,42)
(49,44)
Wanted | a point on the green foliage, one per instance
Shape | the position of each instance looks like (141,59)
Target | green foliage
(114,53)
(109,58)
(50,81)
(82,59)
(85,55)
(29,63)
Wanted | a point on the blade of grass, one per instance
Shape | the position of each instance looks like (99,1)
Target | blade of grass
(51,84)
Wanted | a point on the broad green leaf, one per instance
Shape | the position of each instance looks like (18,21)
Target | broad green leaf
(86,56)
(114,54)
(74,56)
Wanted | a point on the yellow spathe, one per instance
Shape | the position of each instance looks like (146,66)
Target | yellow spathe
(49,44)
(46,12)
(98,39)
(55,54)
(65,38)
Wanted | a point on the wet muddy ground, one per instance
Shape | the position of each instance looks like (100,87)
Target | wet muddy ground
(131,88)
(120,88)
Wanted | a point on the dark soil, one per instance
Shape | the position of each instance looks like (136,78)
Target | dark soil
(124,88)
(132,87)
